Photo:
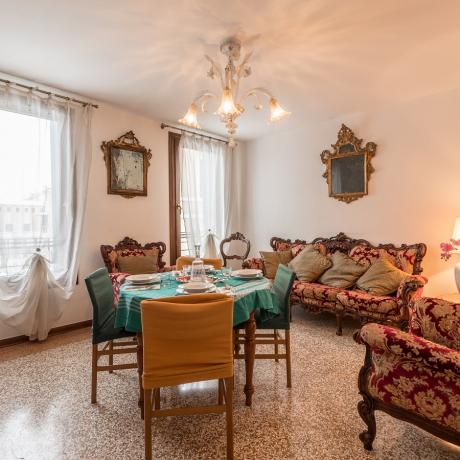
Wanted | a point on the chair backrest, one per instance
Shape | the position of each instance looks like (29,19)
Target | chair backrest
(100,291)
(244,244)
(282,286)
(182,261)
(187,339)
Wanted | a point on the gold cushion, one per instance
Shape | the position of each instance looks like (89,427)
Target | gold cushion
(271,260)
(136,265)
(343,273)
(309,264)
(381,278)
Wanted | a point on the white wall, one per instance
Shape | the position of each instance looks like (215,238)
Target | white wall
(414,193)
(109,218)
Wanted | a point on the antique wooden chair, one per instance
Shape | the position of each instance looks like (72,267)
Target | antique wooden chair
(226,243)
(102,298)
(187,339)
(282,289)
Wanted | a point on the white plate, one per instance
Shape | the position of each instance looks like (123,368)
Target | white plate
(196,287)
(143,279)
(180,290)
(247,273)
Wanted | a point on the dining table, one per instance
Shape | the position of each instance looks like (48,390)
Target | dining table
(250,296)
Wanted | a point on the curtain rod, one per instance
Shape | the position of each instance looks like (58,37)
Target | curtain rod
(49,93)
(165,125)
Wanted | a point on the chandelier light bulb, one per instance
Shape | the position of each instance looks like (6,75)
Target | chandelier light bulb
(227,106)
(276,111)
(190,118)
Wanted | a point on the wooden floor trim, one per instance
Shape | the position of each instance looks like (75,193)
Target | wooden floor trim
(54,331)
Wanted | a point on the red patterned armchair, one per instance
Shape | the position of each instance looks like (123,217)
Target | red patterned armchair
(392,309)
(129,247)
(414,376)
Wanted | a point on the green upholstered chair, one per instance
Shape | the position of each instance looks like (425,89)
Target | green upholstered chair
(282,286)
(102,298)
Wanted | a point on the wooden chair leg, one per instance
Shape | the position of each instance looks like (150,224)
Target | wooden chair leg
(229,416)
(287,336)
(94,374)
(220,395)
(148,424)
(111,355)
(275,337)
(157,399)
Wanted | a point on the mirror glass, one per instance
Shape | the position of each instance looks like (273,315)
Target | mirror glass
(348,174)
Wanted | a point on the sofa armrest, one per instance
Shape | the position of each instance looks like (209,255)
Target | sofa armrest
(254,262)
(385,339)
(410,289)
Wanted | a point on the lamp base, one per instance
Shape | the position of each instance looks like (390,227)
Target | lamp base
(457,276)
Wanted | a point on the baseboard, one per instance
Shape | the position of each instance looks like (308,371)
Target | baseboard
(55,330)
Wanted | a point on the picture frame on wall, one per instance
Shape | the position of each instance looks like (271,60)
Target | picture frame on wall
(127,163)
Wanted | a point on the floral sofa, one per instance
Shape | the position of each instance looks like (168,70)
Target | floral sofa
(414,376)
(319,297)
(129,247)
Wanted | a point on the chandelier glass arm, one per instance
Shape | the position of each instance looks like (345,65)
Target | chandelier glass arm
(256,92)
(203,98)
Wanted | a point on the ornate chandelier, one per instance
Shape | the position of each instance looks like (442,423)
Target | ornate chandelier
(231,106)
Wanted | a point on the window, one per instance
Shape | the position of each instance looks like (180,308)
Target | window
(25,182)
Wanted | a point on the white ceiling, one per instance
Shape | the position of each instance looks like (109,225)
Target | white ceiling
(321,58)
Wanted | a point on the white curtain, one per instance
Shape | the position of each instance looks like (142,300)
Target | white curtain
(45,156)
(205,178)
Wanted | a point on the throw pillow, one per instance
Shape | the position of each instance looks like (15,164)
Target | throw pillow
(136,265)
(343,273)
(382,278)
(309,265)
(271,260)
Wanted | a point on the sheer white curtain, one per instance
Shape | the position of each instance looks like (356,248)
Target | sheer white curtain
(205,178)
(45,156)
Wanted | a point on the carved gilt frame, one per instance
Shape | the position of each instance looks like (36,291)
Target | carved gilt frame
(126,142)
(347,137)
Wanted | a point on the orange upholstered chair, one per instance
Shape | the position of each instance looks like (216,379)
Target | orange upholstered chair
(182,261)
(187,339)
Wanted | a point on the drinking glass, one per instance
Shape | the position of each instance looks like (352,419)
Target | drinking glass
(226,272)
(198,272)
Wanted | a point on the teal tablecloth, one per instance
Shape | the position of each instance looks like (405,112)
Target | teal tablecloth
(249,295)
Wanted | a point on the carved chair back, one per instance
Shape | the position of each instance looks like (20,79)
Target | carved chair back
(131,247)
(345,244)
(245,243)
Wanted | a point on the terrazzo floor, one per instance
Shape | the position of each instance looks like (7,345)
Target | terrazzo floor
(45,410)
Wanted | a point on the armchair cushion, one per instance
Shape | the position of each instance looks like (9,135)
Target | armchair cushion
(414,374)
(437,320)
(138,264)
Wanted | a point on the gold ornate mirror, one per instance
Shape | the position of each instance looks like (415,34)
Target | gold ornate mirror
(348,166)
